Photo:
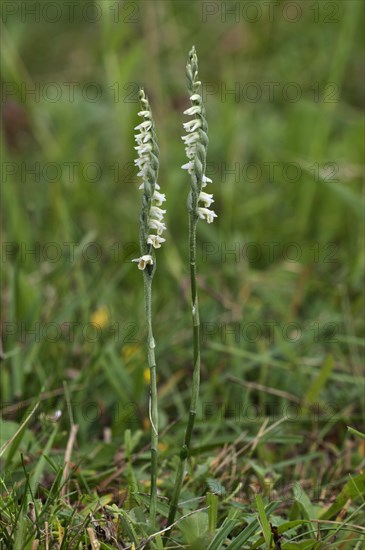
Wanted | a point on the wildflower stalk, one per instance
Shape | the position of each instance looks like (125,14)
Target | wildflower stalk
(153,405)
(196,150)
(151,228)
(185,449)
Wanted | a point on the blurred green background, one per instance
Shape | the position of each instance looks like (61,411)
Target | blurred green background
(284,87)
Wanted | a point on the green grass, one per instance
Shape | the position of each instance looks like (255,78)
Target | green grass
(282,323)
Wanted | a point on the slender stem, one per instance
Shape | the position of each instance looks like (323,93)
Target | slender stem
(153,407)
(185,449)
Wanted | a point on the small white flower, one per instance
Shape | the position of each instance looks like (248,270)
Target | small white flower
(205,180)
(143,148)
(143,138)
(188,166)
(147,164)
(155,224)
(195,109)
(157,213)
(196,145)
(155,240)
(145,125)
(159,198)
(143,261)
(190,151)
(54,417)
(143,159)
(206,198)
(145,114)
(206,214)
(141,163)
(192,125)
(191,138)
(141,174)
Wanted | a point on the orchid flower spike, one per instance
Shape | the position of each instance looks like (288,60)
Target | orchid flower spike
(151,218)
(196,144)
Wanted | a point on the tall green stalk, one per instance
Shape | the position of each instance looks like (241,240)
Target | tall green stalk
(196,142)
(151,228)
(184,452)
(153,405)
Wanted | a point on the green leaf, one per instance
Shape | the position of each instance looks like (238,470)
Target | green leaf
(11,445)
(195,530)
(353,489)
(307,544)
(316,386)
(304,504)
(264,522)
(212,503)
(245,535)
(252,527)
(356,432)
(225,529)
(20,531)
(41,464)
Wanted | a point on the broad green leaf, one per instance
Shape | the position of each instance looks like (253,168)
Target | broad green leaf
(303,502)
(264,522)
(212,503)
(353,489)
(195,529)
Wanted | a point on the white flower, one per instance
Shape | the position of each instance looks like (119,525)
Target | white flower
(143,148)
(145,125)
(196,146)
(141,174)
(155,240)
(188,166)
(142,164)
(145,114)
(152,222)
(141,161)
(159,198)
(191,138)
(195,109)
(156,187)
(157,213)
(143,261)
(190,151)
(205,180)
(206,214)
(156,224)
(143,138)
(206,198)
(192,125)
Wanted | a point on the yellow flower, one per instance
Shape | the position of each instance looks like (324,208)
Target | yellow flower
(147,376)
(146,423)
(129,350)
(100,317)
(147,483)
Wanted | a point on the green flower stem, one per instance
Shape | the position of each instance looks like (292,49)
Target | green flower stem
(196,330)
(185,449)
(153,406)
